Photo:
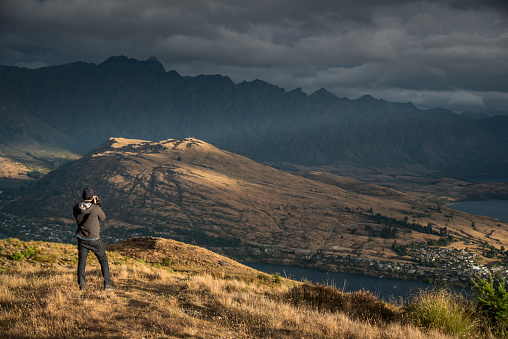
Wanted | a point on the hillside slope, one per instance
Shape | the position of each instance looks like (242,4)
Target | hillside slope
(39,298)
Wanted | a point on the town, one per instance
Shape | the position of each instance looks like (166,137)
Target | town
(431,264)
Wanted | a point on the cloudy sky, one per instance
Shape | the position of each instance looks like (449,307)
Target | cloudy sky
(445,53)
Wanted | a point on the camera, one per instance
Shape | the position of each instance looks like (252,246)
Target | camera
(96,200)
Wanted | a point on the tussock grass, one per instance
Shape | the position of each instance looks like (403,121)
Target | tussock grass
(443,311)
(360,304)
(42,300)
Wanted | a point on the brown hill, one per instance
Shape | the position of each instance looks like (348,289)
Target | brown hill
(39,298)
(188,189)
(178,255)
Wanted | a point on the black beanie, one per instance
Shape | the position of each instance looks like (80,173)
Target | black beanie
(87,194)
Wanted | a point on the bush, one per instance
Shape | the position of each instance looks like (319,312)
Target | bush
(492,299)
(360,304)
(16,256)
(47,257)
(167,261)
(35,174)
(276,278)
(264,278)
(443,311)
(30,251)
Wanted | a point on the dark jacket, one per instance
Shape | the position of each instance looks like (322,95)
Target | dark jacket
(87,217)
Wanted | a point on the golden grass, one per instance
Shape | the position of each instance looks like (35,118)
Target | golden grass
(151,301)
(447,312)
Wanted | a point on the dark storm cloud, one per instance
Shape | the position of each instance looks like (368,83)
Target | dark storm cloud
(446,53)
(498,5)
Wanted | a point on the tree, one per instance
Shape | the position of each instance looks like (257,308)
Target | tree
(493,300)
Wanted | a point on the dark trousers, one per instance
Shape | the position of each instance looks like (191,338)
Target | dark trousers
(98,248)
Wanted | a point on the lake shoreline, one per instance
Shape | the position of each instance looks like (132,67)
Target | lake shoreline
(493,208)
(425,274)
(386,287)
(410,272)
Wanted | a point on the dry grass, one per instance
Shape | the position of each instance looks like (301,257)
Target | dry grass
(359,305)
(151,301)
(446,311)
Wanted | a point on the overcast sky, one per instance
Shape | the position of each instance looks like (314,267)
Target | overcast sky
(445,53)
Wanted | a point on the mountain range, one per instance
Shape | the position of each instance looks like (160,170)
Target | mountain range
(55,114)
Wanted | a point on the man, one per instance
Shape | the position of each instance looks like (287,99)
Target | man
(88,213)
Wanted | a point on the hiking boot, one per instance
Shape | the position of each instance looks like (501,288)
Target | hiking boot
(82,287)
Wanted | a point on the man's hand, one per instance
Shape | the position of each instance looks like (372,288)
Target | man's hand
(96,201)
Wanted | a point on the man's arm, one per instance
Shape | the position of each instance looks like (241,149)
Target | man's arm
(75,211)
(100,213)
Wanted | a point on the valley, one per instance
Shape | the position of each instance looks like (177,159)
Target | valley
(249,169)
(191,191)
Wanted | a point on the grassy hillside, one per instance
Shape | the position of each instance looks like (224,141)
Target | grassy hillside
(167,289)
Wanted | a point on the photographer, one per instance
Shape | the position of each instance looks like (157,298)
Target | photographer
(88,213)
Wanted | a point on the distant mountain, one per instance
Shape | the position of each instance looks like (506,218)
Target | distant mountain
(474,116)
(78,106)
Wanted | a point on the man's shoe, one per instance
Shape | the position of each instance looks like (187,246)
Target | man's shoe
(109,288)
(82,287)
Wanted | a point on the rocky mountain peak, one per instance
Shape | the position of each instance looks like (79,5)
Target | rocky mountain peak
(123,61)
(323,93)
(154,63)
(369,99)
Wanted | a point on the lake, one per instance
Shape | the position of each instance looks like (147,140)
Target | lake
(385,288)
(492,208)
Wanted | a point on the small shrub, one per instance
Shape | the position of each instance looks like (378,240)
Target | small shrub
(264,278)
(492,300)
(16,256)
(48,257)
(443,311)
(267,279)
(167,261)
(30,251)
(360,304)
